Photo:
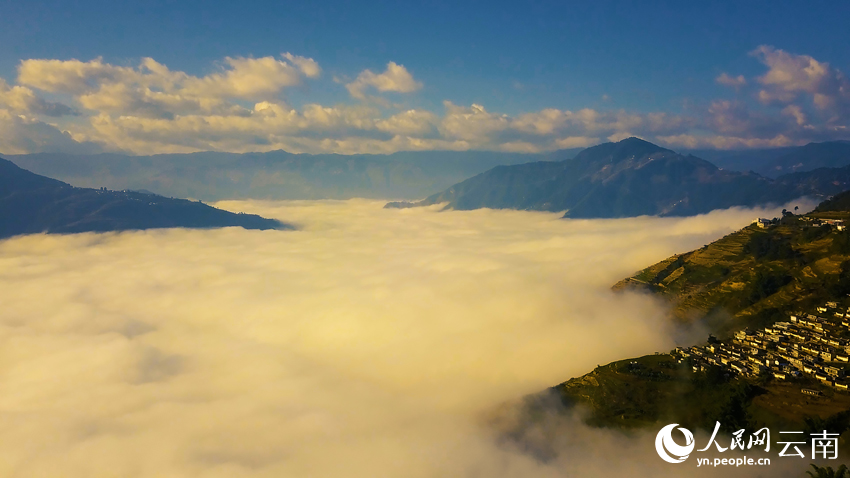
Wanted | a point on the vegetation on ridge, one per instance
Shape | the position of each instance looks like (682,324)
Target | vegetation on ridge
(752,277)
(755,276)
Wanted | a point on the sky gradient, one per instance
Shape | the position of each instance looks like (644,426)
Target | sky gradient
(348,78)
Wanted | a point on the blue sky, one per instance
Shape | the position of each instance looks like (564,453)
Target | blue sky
(508,59)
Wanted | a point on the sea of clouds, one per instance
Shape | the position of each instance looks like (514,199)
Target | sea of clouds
(369,343)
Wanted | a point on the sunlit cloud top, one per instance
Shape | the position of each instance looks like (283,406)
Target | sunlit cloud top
(370,342)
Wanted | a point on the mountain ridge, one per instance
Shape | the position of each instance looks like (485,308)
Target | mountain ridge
(738,288)
(755,274)
(774,162)
(629,178)
(277,174)
(31,203)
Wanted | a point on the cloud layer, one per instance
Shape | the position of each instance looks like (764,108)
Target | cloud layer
(369,343)
(242,105)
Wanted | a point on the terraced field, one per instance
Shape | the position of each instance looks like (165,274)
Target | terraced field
(753,276)
(652,390)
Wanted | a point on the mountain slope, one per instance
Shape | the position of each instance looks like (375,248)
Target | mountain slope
(831,154)
(277,174)
(754,276)
(742,160)
(750,278)
(775,162)
(820,182)
(629,178)
(30,203)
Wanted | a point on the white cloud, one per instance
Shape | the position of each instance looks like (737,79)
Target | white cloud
(395,78)
(410,122)
(473,123)
(797,113)
(619,136)
(69,76)
(250,78)
(20,134)
(247,78)
(519,147)
(308,66)
(736,118)
(22,100)
(723,142)
(241,107)
(735,82)
(369,343)
(790,75)
(152,90)
(791,72)
(544,122)
(575,142)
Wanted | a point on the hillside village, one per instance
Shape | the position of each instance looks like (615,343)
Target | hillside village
(764,223)
(813,345)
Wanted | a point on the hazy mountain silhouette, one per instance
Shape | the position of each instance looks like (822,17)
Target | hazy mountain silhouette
(30,203)
(775,162)
(277,174)
(832,154)
(629,178)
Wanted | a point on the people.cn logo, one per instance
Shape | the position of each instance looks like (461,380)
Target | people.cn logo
(669,450)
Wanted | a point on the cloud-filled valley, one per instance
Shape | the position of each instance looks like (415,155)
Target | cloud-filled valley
(370,342)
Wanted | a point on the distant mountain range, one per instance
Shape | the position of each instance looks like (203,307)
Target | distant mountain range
(277,175)
(406,175)
(30,203)
(775,162)
(629,178)
(409,176)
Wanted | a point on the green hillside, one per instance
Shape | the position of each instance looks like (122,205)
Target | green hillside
(751,278)
(754,276)
(654,390)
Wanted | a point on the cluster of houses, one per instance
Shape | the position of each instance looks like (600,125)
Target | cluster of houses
(764,223)
(837,223)
(807,345)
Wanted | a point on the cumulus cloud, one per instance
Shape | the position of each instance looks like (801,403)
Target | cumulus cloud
(22,100)
(552,128)
(724,142)
(371,342)
(735,125)
(248,78)
(790,75)
(153,90)
(736,117)
(735,82)
(409,123)
(241,107)
(473,123)
(270,125)
(395,78)
(21,134)
(21,130)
